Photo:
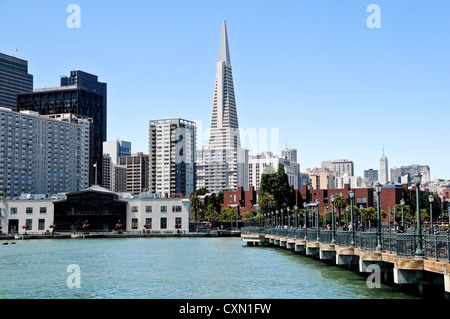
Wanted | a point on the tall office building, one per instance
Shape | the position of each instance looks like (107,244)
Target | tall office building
(43,154)
(114,176)
(384,178)
(90,83)
(117,149)
(222,165)
(14,79)
(342,167)
(172,147)
(371,175)
(137,172)
(76,99)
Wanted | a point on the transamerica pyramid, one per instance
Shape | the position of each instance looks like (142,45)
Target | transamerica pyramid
(223,164)
(224,132)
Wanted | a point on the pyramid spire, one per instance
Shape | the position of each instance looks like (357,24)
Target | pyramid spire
(224,52)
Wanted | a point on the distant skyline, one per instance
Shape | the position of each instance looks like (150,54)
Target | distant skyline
(332,87)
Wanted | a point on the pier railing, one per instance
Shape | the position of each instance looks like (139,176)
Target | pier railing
(436,247)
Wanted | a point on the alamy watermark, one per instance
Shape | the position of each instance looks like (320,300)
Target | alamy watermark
(374,279)
(74,279)
(74,19)
(374,19)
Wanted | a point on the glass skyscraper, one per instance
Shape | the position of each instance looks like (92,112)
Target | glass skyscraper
(14,79)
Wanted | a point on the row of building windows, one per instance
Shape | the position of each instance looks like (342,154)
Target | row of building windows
(28,210)
(148,223)
(163,209)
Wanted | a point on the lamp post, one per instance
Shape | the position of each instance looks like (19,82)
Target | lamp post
(361,215)
(317,218)
(288,217)
(281,217)
(332,198)
(417,180)
(378,188)
(351,194)
(346,216)
(296,216)
(431,199)
(402,202)
(276,219)
(389,218)
(304,220)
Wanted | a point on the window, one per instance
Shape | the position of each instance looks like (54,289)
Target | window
(176,209)
(43,210)
(148,222)
(29,210)
(134,223)
(41,224)
(178,222)
(13,210)
(361,201)
(163,209)
(29,223)
(134,209)
(148,209)
(163,223)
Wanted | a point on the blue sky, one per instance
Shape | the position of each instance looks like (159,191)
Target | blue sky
(313,70)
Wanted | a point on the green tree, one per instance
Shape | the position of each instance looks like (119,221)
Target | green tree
(425,206)
(274,191)
(340,203)
(228,214)
(211,214)
(266,203)
(196,208)
(282,191)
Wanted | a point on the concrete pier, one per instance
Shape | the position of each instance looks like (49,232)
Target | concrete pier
(416,275)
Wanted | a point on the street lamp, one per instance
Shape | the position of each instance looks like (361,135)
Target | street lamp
(317,218)
(402,202)
(296,216)
(332,198)
(389,218)
(276,219)
(361,216)
(378,188)
(289,217)
(431,199)
(281,217)
(304,220)
(351,194)
(417,180)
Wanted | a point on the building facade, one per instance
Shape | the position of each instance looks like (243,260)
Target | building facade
(97,207)
(116,149)
(384,167)
(172,151)
(222,165)
(14,79)
(257,161)
(43,155)
(340,167)
(137,172)
(75,100)
(321,178)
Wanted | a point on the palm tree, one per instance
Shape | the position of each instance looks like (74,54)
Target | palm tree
(196,206)
(340,203)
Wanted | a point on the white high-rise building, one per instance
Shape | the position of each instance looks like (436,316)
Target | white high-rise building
(258,161)
(43,154)
(172,147)
(223,164)
(384,178)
